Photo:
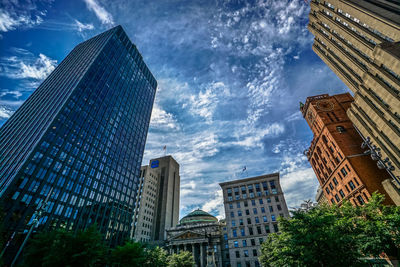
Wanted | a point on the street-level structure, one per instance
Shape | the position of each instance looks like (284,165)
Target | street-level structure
(79,138)
(252,207)
(201,234)
(157,202)
(360,42)
(344,170)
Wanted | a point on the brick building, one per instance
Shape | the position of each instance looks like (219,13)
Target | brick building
(344,170)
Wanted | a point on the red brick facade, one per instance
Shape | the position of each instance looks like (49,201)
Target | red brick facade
(343,170)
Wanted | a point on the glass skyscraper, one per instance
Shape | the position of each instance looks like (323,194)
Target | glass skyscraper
(80,138)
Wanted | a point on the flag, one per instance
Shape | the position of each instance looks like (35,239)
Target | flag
(244,168)
(165,148)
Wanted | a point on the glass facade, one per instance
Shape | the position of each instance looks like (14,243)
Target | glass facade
(88,125)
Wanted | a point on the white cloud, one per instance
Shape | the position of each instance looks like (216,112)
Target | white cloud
(26,66)
(11,21)
(162,119)
(299,185)
(255,136)
(101,13)
(5,113)
(215,204)
(204,103)
(82,27)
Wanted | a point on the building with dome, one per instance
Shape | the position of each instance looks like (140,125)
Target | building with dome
(202,234)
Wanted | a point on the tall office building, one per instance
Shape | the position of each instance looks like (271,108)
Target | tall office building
(342,167)
(157,207)
(146,205)
(360,41)
(79,138)
(252,206)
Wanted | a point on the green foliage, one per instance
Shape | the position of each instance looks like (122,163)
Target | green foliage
(334,236)
(183,259)
(130,254)
(63,248)
(156,257)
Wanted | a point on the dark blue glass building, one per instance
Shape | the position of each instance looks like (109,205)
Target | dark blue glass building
(80,138)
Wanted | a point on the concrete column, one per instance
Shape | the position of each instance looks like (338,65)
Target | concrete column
(202,255)
(193,253)
(392,191)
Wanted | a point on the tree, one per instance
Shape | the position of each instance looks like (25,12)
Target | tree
(156,257)
(183,259)
(64,248)
(130,254)
(334,236)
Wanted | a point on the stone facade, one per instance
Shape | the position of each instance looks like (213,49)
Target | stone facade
(344,170)
(202,235)
(360,42)
(157,203)
(252,207)
(146,201)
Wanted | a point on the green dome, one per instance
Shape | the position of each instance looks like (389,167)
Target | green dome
(198,216)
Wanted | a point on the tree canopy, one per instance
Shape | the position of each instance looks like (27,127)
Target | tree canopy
(335,236)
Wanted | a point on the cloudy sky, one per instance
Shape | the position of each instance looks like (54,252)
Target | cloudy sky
(230,78)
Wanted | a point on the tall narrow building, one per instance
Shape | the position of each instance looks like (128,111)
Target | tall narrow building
(344,170)
(252,207)
(157,206)
(79,139)
(360,42)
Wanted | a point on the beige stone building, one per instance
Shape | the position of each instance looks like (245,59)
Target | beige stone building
(359,41)
(157,201)
(252,207)
(145,205)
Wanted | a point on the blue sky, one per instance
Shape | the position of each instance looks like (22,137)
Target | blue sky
(230,78)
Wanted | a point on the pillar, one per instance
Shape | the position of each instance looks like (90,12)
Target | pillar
(202,255)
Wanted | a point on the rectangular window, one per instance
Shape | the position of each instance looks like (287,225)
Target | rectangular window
(352,186)
(261,201)
(273,218)
(343,171)
(276,228)
(267,230)
(233,223)
(265,219)
(262,210)
(234,233)
(236,244)
(255,210)
(246,253)
(242,232)
(244,243)
(257,220)
(341,193)
(237,256)
(335,181)
(255,252)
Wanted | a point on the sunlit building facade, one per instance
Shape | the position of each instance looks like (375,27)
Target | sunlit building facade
(360,42)
(157,202)
(79,139)
(252,207)
(345,171)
